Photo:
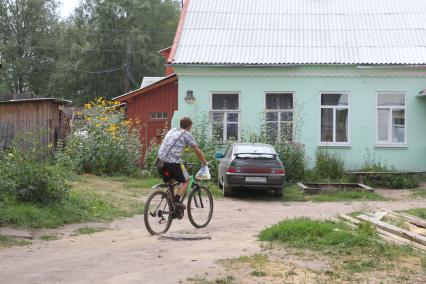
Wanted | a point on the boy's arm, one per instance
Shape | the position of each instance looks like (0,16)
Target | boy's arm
(200,155)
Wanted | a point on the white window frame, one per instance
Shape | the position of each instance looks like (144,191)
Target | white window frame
(389,142)
(158,118)
(348,107)
(279,111)
(225,112)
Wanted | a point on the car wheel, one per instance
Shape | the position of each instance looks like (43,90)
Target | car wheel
(227,191)
(219,184)
(279,193)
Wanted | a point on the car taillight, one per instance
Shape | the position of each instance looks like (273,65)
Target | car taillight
(232,170)
(280,172)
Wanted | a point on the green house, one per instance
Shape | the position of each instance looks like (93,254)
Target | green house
(344,75)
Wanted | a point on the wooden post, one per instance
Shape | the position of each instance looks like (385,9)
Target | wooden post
(360,178)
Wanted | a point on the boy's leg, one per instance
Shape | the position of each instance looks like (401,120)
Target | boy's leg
(182,188)
(179,173)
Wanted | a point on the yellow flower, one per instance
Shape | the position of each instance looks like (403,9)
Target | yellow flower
(88,106)
(98,125)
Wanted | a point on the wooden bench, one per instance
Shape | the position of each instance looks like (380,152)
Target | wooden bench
(360,175)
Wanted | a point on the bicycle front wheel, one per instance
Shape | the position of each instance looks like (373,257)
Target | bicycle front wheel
(200,207)
(158,213)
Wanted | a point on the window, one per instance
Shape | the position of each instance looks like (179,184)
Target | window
(390,118)
(279,115)
(225,116)
(334,118)
(158,115)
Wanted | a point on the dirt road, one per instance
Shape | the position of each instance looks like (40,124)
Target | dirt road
(127,254)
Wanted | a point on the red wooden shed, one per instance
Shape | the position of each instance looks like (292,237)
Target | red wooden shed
(153,105)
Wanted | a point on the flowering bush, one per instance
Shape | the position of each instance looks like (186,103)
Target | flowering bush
(102,142)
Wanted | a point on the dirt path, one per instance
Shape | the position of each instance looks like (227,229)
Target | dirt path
(127,254)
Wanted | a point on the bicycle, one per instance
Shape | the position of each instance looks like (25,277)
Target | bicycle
(159,209)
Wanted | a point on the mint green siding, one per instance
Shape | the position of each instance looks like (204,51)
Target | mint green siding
(307,83)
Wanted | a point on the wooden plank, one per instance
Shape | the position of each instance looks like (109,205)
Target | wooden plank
(335,220)
(379,215)
(350,219)
(400,240)
(412,219)
(409,218)
(366,187)
(387,173)
(394,229)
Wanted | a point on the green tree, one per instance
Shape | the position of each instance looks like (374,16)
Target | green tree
(28,30)
(107,46)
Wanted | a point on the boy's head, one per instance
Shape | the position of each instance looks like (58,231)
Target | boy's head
(186,123)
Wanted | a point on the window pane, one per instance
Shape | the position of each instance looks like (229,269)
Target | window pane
(391,99)
(342,125)
(287,131)
(218,117)
(232,117)
(279,101)
(286,116)
(272,116)
(225,101)
(272,130)
(326,125)
(383,124)
(334,99)
(232,131)
(398,126)
(218,131)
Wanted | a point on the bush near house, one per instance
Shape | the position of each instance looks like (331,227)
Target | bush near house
(103,142)
(26,175)
(397,181)
(35,192)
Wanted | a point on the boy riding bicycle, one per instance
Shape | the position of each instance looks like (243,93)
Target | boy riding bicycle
(170,154)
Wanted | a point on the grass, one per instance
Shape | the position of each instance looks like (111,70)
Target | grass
(354,250)
(418,193)
(293,193)
(49,238)
(88,230)
(346,196)
(6,242)
(91,199)
(222,280)
(419,212)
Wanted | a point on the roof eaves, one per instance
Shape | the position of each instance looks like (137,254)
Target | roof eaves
(148,88)
(58,101)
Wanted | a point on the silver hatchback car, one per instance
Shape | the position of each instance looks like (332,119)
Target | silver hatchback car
(246,165)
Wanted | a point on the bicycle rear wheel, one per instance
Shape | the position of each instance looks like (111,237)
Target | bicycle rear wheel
(200,206)
(158,213)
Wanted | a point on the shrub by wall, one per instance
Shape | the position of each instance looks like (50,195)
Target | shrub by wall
(372,163)
(25,177)
(328,165)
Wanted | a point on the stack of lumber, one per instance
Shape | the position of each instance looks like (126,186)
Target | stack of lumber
(415,237)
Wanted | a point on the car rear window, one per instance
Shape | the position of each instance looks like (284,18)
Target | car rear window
(254,151)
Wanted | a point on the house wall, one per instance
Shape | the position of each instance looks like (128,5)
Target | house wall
(161,99)
(307,83)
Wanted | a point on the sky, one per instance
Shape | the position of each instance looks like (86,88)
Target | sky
(67,7)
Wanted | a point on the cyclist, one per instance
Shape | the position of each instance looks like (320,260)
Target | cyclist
(170,152)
